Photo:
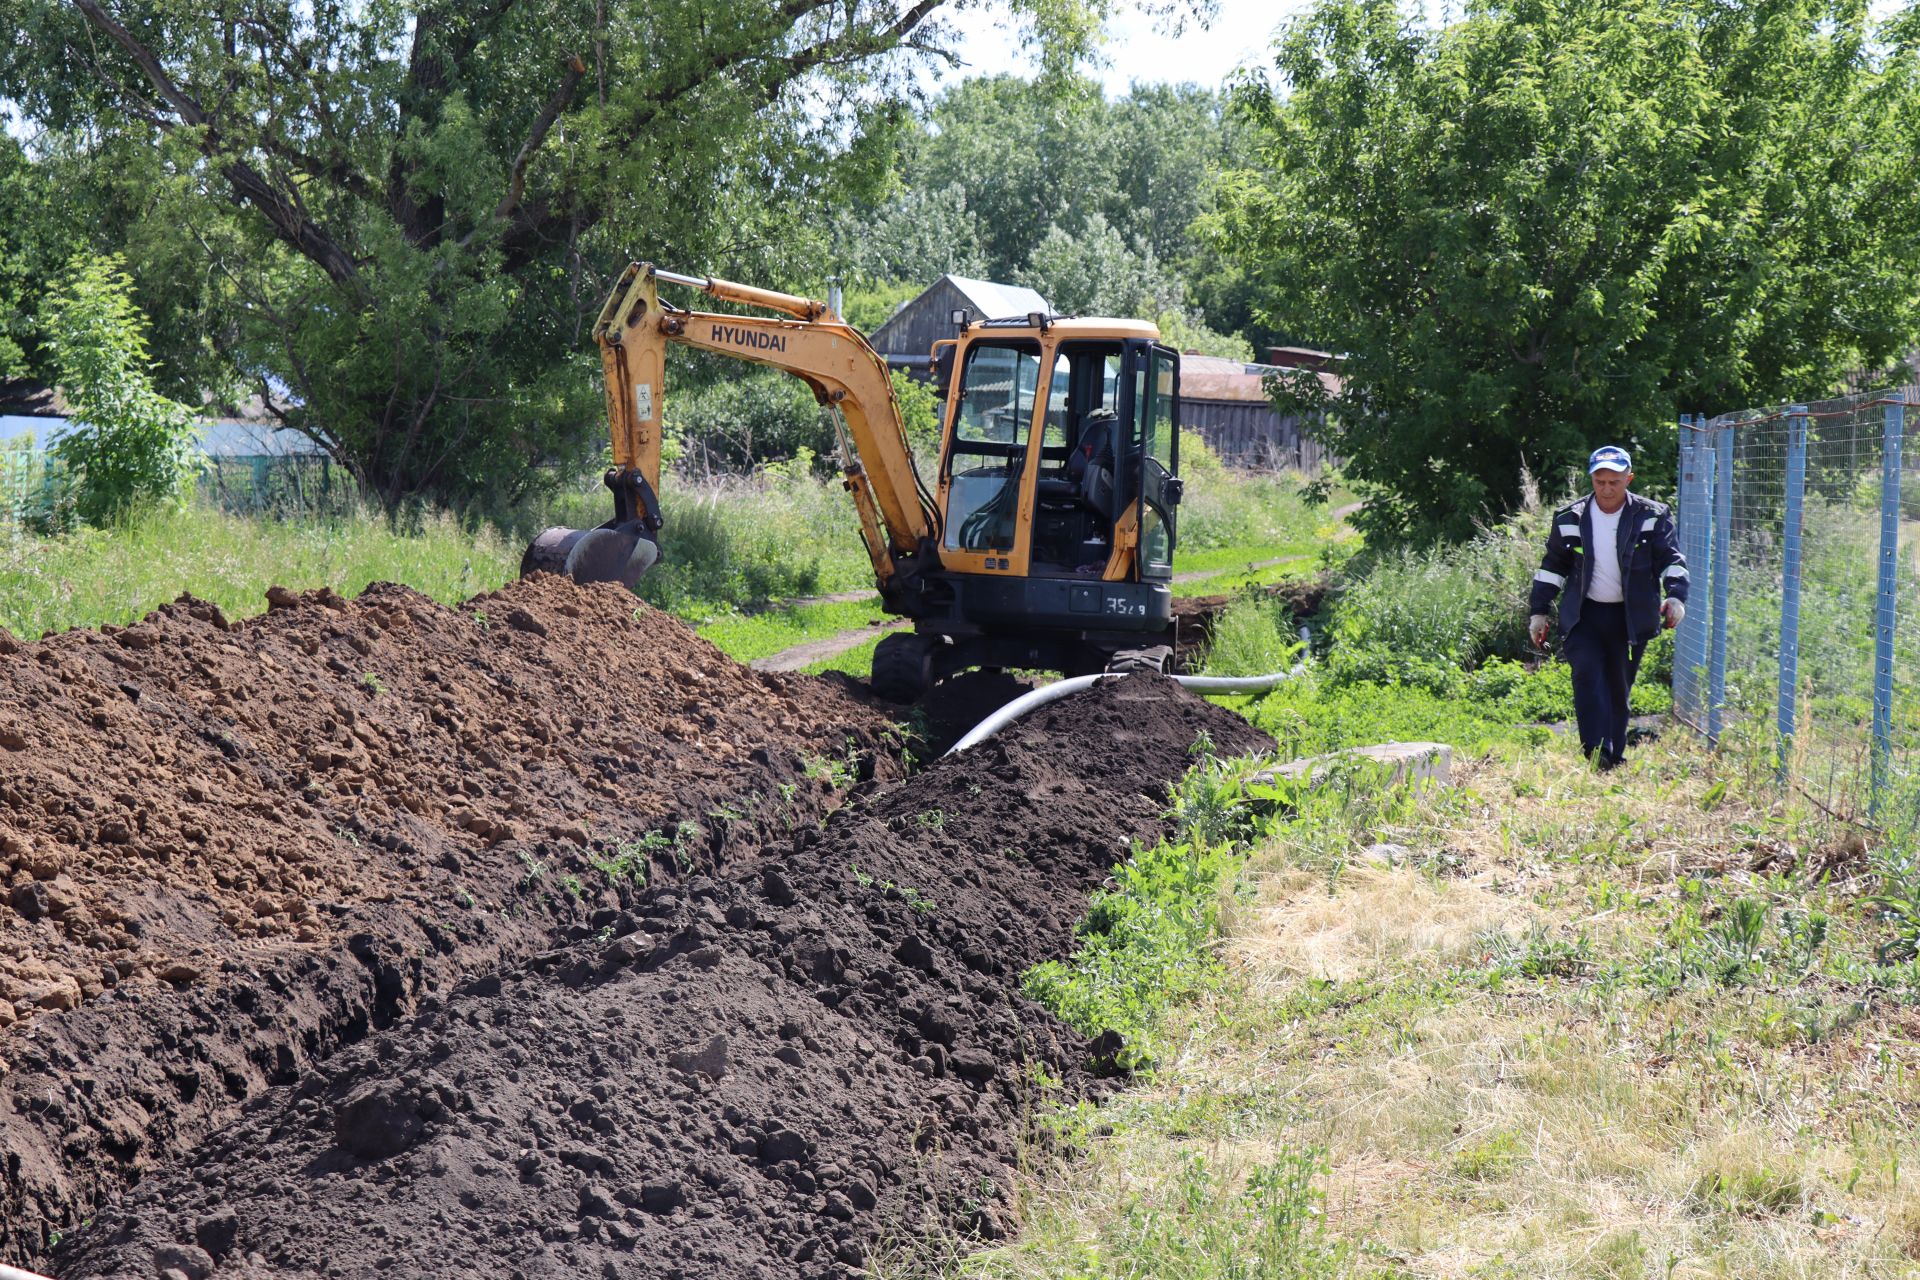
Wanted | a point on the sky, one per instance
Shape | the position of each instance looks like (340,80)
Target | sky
(1135,50)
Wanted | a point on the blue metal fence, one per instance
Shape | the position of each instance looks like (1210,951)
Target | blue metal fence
(1802,524)
(32,489)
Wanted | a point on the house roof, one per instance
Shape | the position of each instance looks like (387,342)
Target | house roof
(1214,378)
(994,301)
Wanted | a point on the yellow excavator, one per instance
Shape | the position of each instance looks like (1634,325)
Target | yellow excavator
(1047,541)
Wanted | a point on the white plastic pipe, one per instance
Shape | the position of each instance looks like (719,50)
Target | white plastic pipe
(1073,684)
(15,1273)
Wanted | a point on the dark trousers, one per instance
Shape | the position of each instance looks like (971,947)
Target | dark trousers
(1604,665)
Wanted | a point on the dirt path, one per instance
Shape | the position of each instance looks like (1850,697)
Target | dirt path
(801,656)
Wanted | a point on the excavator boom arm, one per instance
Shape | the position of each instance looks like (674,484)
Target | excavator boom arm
(829,355)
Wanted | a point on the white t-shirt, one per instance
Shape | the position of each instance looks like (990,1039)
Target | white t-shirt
(1604,587)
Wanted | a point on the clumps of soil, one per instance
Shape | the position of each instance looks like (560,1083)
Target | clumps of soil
(228,849)
(757,1072)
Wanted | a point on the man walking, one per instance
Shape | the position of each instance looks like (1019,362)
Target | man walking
(1615,553)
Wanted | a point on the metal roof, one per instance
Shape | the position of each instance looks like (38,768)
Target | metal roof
(992,301)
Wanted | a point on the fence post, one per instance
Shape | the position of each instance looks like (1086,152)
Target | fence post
(1686,676)
(1790,549)
(1721,537)
(1884,612)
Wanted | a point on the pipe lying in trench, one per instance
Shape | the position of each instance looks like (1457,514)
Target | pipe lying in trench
(15,1273)
(1073,684)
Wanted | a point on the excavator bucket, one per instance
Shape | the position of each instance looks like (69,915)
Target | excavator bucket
(611,553)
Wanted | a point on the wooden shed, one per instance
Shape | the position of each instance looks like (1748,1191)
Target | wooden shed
(1226,402)
(907,337)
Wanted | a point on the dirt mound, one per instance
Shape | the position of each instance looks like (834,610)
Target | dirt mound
(226,850)
(755,1073)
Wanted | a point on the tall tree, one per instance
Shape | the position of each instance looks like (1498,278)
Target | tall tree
(1556,224)
(396,220)
(1090,200)
(35,240)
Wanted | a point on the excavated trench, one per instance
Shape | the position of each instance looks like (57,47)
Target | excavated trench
(465,1036)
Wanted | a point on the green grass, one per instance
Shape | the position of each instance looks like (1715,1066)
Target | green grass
(733,541)
(745,637)
(115,576)
(1222,560)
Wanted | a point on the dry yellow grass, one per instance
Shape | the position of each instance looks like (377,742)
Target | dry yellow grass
(1577,1121)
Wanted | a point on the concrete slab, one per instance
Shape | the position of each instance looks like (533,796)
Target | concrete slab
(1419,763)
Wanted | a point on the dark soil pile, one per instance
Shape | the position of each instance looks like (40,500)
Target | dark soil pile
(226,850)
(753,1073)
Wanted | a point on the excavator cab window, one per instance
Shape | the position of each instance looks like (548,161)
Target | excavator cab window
(1073,521)
(988,451)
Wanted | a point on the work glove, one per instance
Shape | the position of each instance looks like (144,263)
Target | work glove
(1673,611)
(1537,629)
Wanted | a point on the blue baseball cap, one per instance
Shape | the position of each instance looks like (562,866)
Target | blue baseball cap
(1609,457)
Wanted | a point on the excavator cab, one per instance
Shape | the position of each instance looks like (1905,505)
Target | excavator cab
(1058,497)
(1047,539)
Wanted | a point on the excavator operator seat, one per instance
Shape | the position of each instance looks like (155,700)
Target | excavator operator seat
(1087,467)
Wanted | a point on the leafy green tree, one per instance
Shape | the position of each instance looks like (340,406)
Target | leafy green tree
(1027,155)
(1555,224)
(395,223)
(1093,202)
(36,238)
(916,234)
(1097,274)
(127,445)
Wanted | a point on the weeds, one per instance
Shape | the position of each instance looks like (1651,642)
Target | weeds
(920,903)
(838,772)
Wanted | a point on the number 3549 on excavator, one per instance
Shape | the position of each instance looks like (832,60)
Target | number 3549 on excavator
(1046,540)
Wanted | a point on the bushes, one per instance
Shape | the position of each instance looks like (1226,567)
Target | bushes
(128,446)
(1227,508)
(748,417)
(1458,605)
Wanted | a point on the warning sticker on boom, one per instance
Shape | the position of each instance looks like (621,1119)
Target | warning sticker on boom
(643,401)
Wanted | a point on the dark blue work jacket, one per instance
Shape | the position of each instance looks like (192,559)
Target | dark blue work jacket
(1650,561)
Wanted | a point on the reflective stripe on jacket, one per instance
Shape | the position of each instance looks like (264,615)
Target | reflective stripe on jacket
(1650,564)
